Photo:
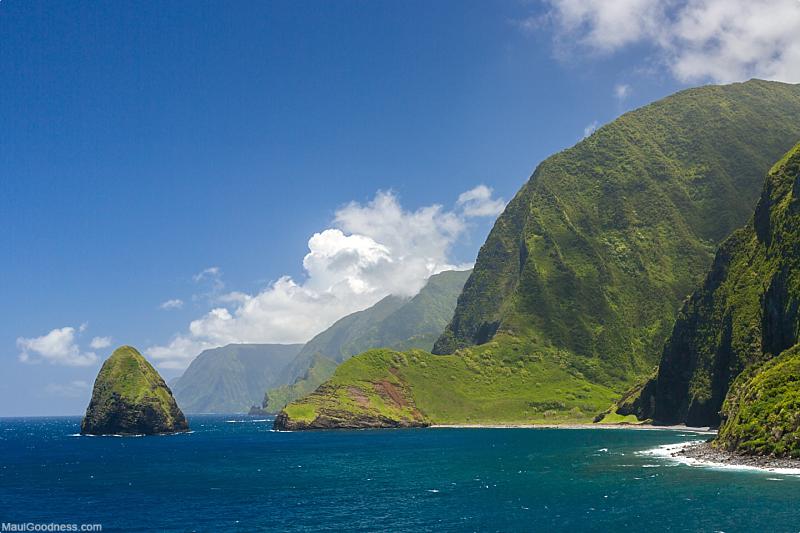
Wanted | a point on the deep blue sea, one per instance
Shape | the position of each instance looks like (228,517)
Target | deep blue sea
(235,474)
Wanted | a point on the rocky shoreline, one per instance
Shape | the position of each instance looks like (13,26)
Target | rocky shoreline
(705,453)
(343,421)
(638,427)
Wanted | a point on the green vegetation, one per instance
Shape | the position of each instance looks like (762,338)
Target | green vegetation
(321,370)
(498,382)
(597,251)
(129,396)
(762,409)
(394,322)
(586,269)
(233,378)
(367,391)
(616,418)
(745,312)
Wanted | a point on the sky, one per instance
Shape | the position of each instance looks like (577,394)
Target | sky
(183,175)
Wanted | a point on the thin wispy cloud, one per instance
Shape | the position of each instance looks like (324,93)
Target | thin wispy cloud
(72,389)
(209,273)
(175,303)
(622,91)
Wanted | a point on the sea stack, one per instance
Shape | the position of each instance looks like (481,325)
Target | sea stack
(131,398)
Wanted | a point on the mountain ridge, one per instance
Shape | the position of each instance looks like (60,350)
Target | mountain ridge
(231,378)
(583,275)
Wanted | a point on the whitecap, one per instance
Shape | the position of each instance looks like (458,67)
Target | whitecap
(667,451)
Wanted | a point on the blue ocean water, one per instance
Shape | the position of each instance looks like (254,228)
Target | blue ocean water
(234,474)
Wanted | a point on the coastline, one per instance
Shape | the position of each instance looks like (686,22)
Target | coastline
(703,454)
(640,427)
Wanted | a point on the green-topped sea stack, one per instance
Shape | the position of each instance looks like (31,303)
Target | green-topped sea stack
(131,398)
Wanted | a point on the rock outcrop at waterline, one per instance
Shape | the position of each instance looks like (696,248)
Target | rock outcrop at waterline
(377,401)
(344,420)
(131,398)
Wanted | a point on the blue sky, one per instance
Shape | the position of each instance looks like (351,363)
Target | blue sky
(187,152)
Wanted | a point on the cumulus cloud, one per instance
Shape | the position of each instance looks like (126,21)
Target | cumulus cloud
(58,347)
(370,251)
(175,303)
(98,343)
(697,40)
(590,128)
(478,202)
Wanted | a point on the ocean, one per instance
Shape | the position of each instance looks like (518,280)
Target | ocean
(234,473)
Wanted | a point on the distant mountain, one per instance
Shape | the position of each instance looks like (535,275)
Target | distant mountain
(579,282)
(233,378)
(393,322)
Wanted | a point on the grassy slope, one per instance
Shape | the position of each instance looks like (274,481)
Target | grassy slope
(130,375)
(585,270)
(392,323)
(497,382)
(746,311)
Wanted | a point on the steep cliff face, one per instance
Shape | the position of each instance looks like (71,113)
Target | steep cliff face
(129,397)
(745,312)
(596,252)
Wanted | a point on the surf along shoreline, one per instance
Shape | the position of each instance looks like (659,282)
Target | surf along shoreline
(693,453)
(638,427)
(703,454)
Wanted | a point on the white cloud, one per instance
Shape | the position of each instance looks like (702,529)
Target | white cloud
(175,303)
(98,343)
(73,389)
(478,202)
(56,347)
(211,279)
(622,91)
(372,250)
(590,128)
(209,273)
(697,40)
